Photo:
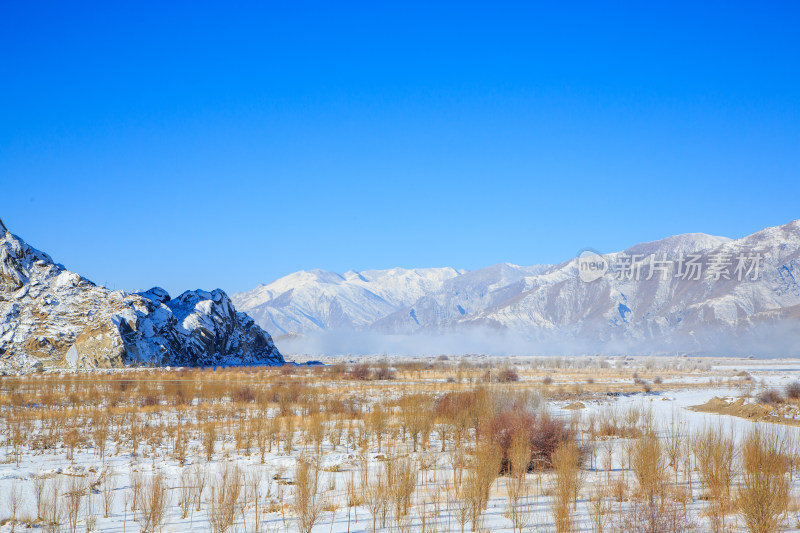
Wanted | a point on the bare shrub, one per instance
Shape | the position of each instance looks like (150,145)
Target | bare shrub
(667,518)
(90,511)
(714,452)
(674,444)
(764,492)
(108,495)
(518,490)
(199,480)
(360,371)
(52,512)
(307,503)
(792,390)
(243,394)
(649,466)
(100,437)
(14,499)
(566,463)
(486,466)
(136,482)
(39,494)
(770,397)
(186,493)
(373,492)
(253,485)
(543,434)
(226,489)
(153,503)
(508,375)
(401,480)
(209,438)
(74,499)
(384,371)
(599,510)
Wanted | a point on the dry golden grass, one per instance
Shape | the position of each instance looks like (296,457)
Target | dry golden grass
(442,411)
(764,493)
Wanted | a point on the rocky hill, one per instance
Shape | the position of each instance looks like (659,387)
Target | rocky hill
(53,317)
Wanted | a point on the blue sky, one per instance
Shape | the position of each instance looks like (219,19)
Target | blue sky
(201,145)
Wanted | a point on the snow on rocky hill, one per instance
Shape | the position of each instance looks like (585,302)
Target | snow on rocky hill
(741,285)
(51,316)
(694,292)
(316,300)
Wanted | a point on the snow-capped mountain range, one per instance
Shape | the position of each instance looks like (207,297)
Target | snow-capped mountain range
(53,317)
(551,309)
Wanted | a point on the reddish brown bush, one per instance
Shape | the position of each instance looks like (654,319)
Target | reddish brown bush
(150,400)
(360,371)
(543,433)
(453,404)
(243,394)
(770,397)
(384,372)
(508,375)
(793,390)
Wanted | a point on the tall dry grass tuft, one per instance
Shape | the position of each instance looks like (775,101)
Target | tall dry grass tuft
(714,452)
(153,503)
(567,465)
(186,493)
(226,489)
(373,493)
(649,466)
(307,503)
(599,510)
(108,495)
(667,518)
(486,465)
(518,492)
(764,491)
(14,499)
(52,512)
(209,438)
(39,494)
(401,481)
(136,481)
(674,443)
(199,480)
(74,499)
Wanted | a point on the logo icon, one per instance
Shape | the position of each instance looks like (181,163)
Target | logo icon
(591,266)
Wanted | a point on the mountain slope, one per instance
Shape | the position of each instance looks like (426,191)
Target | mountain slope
(316,300)
(550,309)
(560,298)
(51,315)
(461,296)
(706,314)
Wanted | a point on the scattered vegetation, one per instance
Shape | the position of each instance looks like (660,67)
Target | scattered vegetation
(436,445)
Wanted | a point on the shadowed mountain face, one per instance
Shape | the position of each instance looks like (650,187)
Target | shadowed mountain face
(694,293)
(52,316)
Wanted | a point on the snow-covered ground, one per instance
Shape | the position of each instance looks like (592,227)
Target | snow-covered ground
(434,497)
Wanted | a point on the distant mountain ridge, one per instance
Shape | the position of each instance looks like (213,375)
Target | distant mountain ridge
(550,308)
(317,300)
(51,316)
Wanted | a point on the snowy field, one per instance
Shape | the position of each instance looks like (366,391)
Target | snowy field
(395,445)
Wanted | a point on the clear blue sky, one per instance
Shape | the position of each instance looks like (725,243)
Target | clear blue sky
(201,145)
